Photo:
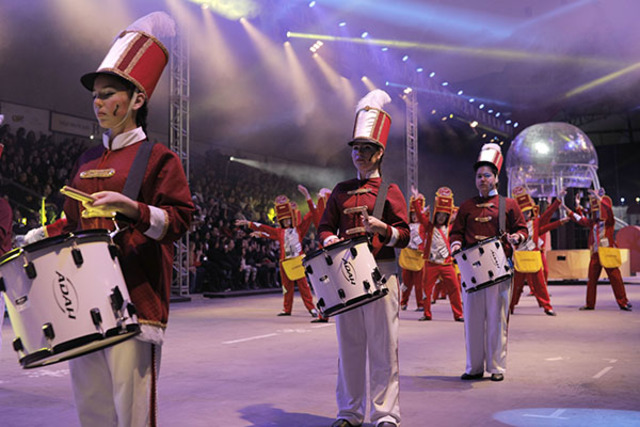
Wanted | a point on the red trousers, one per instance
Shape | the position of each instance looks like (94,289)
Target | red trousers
(412,280)
(538,286)
(615,277)
(288,289)
(450,283)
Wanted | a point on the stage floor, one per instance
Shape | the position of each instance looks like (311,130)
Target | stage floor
(232,362)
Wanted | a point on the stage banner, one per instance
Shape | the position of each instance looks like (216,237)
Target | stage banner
(20,116)
(73,125)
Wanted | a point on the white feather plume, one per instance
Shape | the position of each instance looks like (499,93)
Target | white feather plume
(377,98)
(491,145)
(158,24)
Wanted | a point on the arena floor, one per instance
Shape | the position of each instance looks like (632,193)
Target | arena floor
(232,362)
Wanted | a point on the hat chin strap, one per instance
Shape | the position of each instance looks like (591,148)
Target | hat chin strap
(126,116)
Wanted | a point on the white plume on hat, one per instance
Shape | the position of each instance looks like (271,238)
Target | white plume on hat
(157,24)
(377,98)
(490,146)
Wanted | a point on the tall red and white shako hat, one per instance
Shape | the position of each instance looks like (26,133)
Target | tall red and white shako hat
(490,155)
(136,54)
(372,122)
(283,207)
(523,198)
(443,202)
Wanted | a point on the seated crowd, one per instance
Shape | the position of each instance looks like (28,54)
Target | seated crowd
(222,257)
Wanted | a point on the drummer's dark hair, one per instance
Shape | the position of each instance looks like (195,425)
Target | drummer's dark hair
(142,112)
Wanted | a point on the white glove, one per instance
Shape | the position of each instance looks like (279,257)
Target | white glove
(34,235)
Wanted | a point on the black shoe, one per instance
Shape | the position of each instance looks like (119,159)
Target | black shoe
(403,307)
(423,318)
(459,319)
(419,309)
(284,313)
(320,320)
(497,377)
(626,307)
(550,312)
(585,308)
(343,423)
(468,377)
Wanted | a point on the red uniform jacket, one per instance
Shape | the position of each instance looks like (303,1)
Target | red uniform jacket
(478,220)
(147,264)
(363,192)
(278,234)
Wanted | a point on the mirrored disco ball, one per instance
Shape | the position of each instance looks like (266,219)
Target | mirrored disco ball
(547,157)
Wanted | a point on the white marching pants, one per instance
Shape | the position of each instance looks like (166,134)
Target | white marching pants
(115,386)
(486,315)
(369,333)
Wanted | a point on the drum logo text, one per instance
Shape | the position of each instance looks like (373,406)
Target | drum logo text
(65,295)
(348,272)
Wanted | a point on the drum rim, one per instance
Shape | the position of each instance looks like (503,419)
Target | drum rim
(92,234)
(346,242)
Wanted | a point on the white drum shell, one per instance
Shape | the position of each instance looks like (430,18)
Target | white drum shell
(350,280)
(483,264)
(63,294)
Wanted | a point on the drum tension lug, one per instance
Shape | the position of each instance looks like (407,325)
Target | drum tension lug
(320,303)
(341,293)
(96,317)
(366,284)
(375,275)
(328,259)
(131,309)
(116,299)
(490,274)
(481,250)
(354,251)
(17,345)
(113,251)
(77,257)
(309,270)
(47,330)
(2,287)
(30,269)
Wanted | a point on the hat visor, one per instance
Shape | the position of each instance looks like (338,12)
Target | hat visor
(477,165)
(366,141)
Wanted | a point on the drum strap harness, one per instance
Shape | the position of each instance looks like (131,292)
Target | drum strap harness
(136,174)
(501,215)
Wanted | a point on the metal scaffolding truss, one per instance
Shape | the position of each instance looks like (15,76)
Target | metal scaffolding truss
(411,131)
(179,143)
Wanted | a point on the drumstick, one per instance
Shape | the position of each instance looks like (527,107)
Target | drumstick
(78,195)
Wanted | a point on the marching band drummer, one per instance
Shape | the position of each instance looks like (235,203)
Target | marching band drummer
(369,332)
(117,385)
(486,311)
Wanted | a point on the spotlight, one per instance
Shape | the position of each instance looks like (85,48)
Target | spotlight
(498,114)
(445,83)
(231,159)
(386,83)
(508,121)
(384,49)
(490,111)
(473,124)
(472,100)
(405,58)
(622,199)
(312,3)
(515,125)
(481,106)
(364,35)
(419,69)
(432,74)
(407,91)
(460,92)
(637,199)
(342,24)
